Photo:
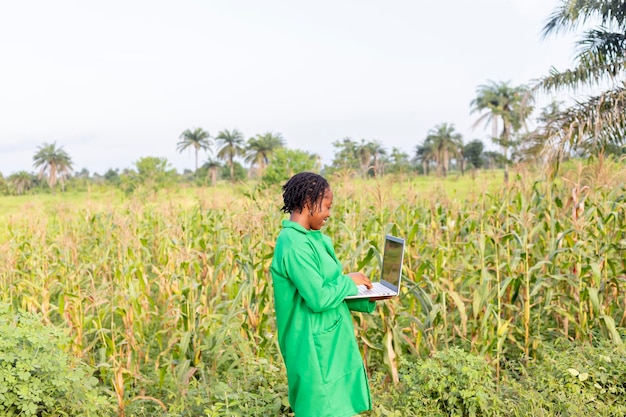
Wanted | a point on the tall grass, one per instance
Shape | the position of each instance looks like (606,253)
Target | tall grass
(162,291)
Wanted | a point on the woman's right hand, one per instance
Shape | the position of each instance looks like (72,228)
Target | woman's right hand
(360,279)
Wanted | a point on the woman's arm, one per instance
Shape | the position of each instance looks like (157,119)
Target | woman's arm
(318,294)
(363,305)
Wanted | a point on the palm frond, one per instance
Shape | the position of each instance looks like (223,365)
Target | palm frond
(601,58)
(600,46)
(590,125)
(573,13)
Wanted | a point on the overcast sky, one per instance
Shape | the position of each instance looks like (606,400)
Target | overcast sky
(114,81)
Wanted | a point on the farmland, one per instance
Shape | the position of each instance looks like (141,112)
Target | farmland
(167,296)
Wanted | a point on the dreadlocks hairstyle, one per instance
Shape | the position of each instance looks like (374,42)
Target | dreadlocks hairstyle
(302,189)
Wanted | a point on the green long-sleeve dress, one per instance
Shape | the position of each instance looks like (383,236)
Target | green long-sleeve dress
(325,370)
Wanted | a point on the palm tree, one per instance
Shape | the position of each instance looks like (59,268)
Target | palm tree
(445,144)
(425,154)
(547,136)
(378,153)
(20,182)
(599,120)
(369,154)
(261,148)
(53,162)
(364,152)
(502,104)
(212,165)
(198,138)
(231,145)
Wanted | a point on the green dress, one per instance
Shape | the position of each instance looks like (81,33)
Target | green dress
(325,370)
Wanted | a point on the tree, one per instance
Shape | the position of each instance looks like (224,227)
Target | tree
(546,136)
(287,162)
(20,182)
(346,156)
(398,162)
(493,159)
(4,185)
(444,144)
(152,173)
(237,170)
(112,176)
(260,149)
(231,146)
(369,155)
(425,154)
(473,151)
(378,153)
(198,138)
(600,119)
(212,166)
(54,163)
(502,104)
(364,153)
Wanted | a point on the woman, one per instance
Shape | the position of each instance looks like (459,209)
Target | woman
(325,370)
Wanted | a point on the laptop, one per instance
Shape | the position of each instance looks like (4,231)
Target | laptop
(390,273)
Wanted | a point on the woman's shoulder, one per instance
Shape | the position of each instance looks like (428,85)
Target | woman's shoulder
(289,235)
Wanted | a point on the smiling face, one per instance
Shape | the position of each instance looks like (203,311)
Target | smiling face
(319,213)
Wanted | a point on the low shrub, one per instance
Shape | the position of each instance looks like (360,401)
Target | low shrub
(565,379)
(568,379)
(37,377)
(451,383)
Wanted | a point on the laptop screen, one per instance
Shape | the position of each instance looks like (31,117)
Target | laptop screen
(392,262)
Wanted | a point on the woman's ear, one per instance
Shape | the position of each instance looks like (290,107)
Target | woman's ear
(308,207)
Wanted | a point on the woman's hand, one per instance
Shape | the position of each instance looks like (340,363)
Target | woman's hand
(360,279)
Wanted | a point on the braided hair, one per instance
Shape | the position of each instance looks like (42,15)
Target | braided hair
(302,189)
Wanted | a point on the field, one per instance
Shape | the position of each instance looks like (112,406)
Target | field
(167,296)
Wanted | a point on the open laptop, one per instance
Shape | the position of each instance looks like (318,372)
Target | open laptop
(390,273)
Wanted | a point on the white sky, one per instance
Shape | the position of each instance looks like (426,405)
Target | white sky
(114,81)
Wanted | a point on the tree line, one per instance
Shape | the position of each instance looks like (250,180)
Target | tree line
(263,157)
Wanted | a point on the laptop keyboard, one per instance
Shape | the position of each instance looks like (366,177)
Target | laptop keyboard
(363,290)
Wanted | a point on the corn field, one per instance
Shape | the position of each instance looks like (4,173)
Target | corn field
(155,294)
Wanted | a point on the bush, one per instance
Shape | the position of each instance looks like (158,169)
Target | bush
(37,378)
(565,379)
(573,380)
(239,172)
(451,383)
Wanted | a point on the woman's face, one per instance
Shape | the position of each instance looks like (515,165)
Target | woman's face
(321,214)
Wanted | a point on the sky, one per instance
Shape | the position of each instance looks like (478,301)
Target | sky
(115,81)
